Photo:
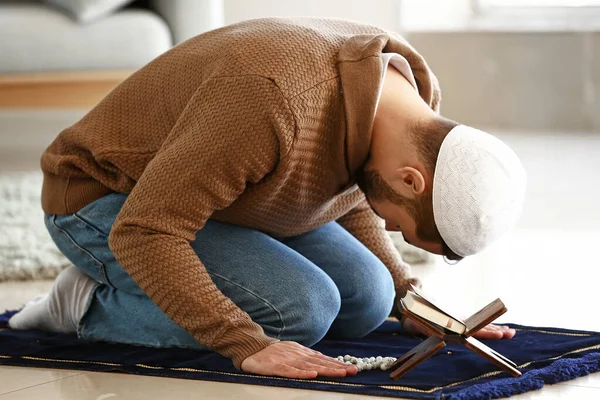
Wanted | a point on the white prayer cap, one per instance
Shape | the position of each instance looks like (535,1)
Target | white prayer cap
(478,190)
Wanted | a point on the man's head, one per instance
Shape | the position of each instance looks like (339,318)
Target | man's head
(404,197)
(450,189)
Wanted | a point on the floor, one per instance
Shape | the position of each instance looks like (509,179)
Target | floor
(546,272)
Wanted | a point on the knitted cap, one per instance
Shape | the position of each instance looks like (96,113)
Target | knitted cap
(478,190)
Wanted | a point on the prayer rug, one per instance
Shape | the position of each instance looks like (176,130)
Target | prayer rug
(543,355)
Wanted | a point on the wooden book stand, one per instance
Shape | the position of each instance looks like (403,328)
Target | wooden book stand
(441,336)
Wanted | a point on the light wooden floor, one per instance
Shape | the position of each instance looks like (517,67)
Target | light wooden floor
(547,272)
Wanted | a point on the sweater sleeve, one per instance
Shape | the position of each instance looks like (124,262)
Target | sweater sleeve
(225,139)
(369,229)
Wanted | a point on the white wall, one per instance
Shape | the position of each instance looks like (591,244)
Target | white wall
(381,13)
(517,80)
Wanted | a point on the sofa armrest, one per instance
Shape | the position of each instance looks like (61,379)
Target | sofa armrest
(188,18)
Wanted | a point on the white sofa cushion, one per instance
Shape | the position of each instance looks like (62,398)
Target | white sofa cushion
(39,38)
(188,18)
(87,10)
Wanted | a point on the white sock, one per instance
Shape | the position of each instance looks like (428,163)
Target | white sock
(61,309)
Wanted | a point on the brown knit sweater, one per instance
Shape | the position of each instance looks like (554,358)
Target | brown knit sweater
(261,124)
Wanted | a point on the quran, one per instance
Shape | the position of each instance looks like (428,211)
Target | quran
(418,305)
(446,328)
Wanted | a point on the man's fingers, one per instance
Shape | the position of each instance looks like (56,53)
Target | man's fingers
(289,371)
(333,363)
(319,358)
(322,370)
(490,331)
(495,332)
(509,333)
(292,360)
(304,369)
(492,334)
(506,331)
(322,360)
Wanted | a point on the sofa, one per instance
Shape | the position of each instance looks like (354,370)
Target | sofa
(39,36)
(71,53)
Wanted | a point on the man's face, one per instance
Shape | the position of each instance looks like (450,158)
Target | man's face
(398,219)
(396,216)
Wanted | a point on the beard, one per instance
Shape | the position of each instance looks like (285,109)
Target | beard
(375,187)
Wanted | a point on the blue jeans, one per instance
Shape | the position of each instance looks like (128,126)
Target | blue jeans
(298,288)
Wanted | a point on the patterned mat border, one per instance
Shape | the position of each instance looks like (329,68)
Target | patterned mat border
(321,382)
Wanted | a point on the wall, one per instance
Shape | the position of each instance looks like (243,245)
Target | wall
(382,13)
(508,80)
(517,80)
(535,77)
(28,132)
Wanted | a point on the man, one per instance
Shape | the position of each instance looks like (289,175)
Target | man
(216,198)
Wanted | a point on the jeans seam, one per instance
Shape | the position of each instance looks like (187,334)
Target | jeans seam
(88,305)
(90,225)
(64,232)
(258,297)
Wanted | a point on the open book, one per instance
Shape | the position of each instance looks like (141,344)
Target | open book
(417,304)
(446,328)
(429,315)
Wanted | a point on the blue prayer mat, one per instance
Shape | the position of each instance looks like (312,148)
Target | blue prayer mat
(543,355)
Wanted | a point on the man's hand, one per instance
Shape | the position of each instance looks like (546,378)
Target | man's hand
(490,331)
(292,360)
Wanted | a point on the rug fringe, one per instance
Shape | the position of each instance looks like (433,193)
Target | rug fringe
(560,370)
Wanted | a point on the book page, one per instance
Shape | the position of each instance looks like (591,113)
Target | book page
(416,305)
(431,303)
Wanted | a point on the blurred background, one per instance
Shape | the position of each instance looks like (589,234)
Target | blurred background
(505,64)
(527,71)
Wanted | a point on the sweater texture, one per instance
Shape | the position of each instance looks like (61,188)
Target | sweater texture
(262,124)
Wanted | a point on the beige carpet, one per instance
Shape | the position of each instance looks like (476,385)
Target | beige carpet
(26,249)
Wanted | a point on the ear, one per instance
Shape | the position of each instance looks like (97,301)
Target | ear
(411,180)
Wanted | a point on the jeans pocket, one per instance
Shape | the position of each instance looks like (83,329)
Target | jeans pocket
(100,215)
(75,242)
